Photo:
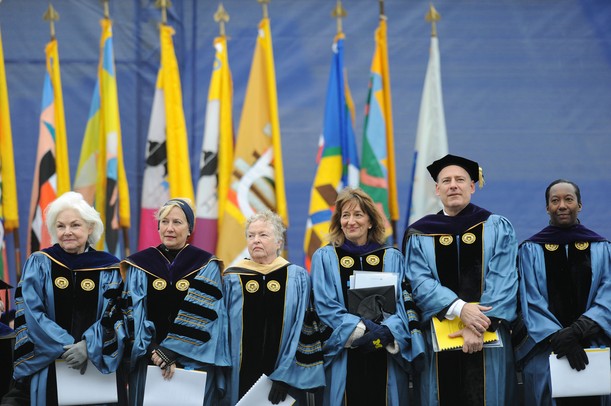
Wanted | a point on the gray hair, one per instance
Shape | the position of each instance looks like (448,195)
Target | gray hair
(271,218)
(74,201)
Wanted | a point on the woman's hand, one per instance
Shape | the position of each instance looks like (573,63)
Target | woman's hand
(167,371)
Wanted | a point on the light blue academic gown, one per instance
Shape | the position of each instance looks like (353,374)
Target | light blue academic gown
(329,303)
(36,304)
(541,323)
(297,296)
(499,291)
(210,356)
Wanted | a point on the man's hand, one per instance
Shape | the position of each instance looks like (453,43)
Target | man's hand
(473,342)
(76,355)
(473,318)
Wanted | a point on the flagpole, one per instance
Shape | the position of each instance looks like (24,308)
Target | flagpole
(106,8)
(163,5)
(338,13)
(51,15)
(17,249)
(432,17)
(221,17)
(264,4)
(382,8)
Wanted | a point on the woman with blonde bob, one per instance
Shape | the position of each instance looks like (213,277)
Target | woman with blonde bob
(175,309)
(366,357)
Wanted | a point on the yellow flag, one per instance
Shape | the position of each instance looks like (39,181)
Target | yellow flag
(257,180)
(8,185)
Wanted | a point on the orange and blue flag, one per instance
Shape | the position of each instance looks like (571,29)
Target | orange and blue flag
(52,172)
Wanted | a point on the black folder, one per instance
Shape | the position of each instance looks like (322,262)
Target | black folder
(372,303)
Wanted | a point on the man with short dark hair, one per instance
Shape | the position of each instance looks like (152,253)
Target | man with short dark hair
(565,293)
(461,264)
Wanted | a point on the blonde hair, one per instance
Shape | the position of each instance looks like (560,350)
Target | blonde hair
(365,202)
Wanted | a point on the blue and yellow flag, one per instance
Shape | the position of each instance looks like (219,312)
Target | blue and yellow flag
(257,180)
(52,172)
(337,157)
(168,170)
(378,160)
(216,161)
(9,216)
(100,176)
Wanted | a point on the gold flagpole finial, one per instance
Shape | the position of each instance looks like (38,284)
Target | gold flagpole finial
(432,16)
(106,8)
(338,13)
(51,15)
(163,5)
(221,16)
(264,4)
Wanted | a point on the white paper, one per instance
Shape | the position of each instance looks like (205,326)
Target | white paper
(91,388)
(595,380)
(186,388)
(259,392)
(371,279)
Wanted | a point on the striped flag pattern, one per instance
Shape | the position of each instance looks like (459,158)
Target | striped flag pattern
(100,176)
(216,159)
(337,157)
(378,177)
(168,170)
(52,173)
(257,180)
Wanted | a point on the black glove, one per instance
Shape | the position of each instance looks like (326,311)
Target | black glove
(564,339)
(577,357)
(585,327)
(278,392)
(377,337)
(167,356)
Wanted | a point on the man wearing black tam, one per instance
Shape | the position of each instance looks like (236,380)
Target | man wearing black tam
(565,293)
(461,263)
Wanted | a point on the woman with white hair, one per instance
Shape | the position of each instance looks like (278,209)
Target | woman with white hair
(63,302)
(267,298)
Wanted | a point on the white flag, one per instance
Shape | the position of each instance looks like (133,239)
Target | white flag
(431,141)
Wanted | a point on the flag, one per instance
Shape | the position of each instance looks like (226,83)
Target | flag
(52,171)
(378,178)
(431,141)
(216,161)
(100,176)
(337,157)
(257,180)
(9,217)
(167,173)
